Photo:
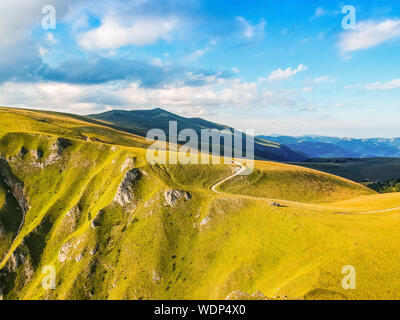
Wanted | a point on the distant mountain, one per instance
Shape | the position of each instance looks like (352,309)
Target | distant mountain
(322,150)
(140,122)
(333,147)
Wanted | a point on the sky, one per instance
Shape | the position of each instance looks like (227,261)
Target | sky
(279,67)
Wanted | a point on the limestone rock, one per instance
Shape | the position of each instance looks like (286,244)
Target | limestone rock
(67,249)
(128,163)
(63,254)
(172,196)
(38,154)
(156,277)
(57,149)
(126,190)
(204,223)
(259,296)
(237,295)
(71,218)
(16,259)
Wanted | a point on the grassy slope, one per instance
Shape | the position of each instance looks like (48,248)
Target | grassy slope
(72,127)
(159,251)
(281,181)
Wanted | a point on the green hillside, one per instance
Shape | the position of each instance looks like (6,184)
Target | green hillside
(271,180)
(115,227)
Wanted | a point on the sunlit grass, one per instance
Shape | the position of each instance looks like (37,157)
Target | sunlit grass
(202,248)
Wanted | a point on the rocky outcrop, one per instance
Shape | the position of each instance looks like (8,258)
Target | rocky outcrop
(204,223)
(172,196)
(67,250)
(64,253)
(239,295)
(126,190)
(70,220)
(37,154)
(56,150)
(20,258)
(15,185)
(128,163)
(259,296)
(16,259)
(156,277)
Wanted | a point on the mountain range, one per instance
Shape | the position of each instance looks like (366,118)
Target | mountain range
(314,146)
(267,147)
(141,121)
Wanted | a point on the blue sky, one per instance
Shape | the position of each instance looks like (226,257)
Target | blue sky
(285,67)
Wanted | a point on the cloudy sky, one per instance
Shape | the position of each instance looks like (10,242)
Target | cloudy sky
(284,66)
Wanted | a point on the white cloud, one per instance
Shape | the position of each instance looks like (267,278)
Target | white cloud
(81,22)
(307,89)
(50,38)
(42,51)
(251,31)
(235,70)
(279,74)
(320,12)
(193,56)
(389,85)
(196,55)
(157,62)
(18,20)
(369,34)
(143,31)
(84,99)
(324,79)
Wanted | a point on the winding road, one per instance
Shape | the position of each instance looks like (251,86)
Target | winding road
(237,173)
(243,168)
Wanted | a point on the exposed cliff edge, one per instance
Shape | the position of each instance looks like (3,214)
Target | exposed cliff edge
(16,187)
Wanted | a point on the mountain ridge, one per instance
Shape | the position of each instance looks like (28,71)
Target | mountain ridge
(316,146)
(141,121)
